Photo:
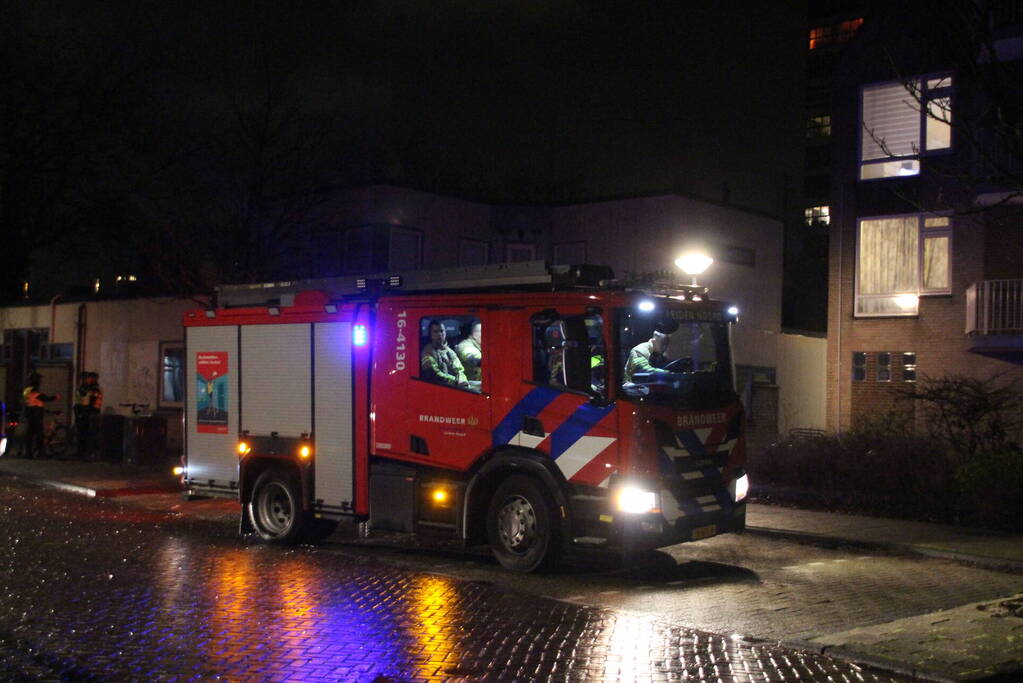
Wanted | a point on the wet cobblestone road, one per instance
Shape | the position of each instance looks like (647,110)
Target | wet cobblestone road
(92,590)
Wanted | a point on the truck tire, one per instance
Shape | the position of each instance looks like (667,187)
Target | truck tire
(522,526)
(275,508)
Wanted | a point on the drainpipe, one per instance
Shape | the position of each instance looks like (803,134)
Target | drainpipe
(53,318)
(80,338)
(839,372)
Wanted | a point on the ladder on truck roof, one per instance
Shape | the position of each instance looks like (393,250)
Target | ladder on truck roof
(527,275)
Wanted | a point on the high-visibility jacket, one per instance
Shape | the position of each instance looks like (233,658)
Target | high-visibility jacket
(643,358)
(471,355)
(442,364)
(90,396)
(33,398)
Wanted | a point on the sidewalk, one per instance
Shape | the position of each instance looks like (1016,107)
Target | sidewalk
(976,546)
(96,479)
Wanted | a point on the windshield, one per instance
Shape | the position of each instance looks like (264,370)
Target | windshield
(667,356)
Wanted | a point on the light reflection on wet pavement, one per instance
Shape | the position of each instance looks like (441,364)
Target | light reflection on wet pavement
(93,590)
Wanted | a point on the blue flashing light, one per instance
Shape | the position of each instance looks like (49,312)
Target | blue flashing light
(360,335)
(733,311)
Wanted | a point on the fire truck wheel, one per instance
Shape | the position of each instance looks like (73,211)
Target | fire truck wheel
(275,509)
(522,527)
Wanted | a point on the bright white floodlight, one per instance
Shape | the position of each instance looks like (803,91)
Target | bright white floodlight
(694,263)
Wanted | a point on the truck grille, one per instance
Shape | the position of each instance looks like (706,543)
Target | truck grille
(693,461)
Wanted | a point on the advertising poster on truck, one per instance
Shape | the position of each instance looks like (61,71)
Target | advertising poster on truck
(211,395)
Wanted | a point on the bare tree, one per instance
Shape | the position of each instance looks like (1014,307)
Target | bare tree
(239,182)
(66,85)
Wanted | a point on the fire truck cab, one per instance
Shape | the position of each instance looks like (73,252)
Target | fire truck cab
(529,407)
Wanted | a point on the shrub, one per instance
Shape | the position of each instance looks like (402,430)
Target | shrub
(879,468)
(991,486)
(955,459)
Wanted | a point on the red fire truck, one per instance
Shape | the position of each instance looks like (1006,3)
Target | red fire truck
(595,412)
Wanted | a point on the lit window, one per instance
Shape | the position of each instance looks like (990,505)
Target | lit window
(820,36)
(818,126)
(899,259)
(172,374)
(901,121)
(909,367)
(859,366)
(818,215)
(834,34)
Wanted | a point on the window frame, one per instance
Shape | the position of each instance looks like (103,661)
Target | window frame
(818,126)
(929,94)
(923,232)
(860,366)
(908,368)
(817,216)
(442,315)
(538,324)
(883,366)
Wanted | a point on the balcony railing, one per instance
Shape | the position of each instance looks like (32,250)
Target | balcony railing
(995,307)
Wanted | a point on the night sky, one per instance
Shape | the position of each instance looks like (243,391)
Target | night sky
(180,119)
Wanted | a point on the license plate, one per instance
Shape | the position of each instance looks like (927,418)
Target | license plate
(704,531)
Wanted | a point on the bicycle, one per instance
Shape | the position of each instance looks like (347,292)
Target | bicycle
(58,436)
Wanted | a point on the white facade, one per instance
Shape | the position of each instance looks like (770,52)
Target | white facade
(121,341)
(802,382)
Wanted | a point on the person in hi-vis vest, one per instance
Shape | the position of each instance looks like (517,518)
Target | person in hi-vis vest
(88,401)
(35,408)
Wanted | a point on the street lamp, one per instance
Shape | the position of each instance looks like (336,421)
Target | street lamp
(693,263)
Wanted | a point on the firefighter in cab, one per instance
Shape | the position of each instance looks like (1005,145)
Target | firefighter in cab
(470,352)
(439,361)
(35,408)
(88,401)
(651,356)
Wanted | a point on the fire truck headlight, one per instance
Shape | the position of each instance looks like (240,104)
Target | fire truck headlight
(635,500)
(3,445)
(739,487)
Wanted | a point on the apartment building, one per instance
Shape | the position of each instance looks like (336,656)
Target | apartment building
(926,235)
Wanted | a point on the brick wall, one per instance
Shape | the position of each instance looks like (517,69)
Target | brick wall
(762,419)
(937,335)
(874,396)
